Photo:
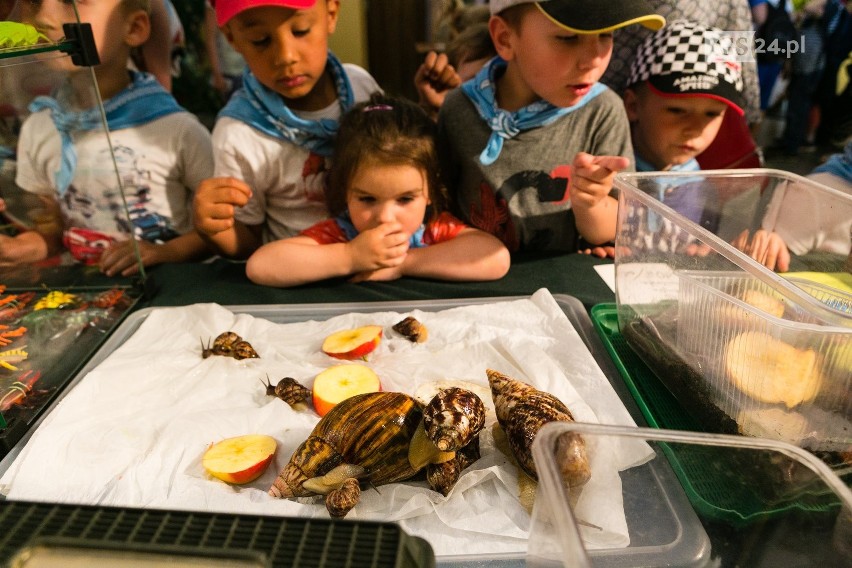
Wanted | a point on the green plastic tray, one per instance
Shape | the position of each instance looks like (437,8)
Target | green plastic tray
(716,492)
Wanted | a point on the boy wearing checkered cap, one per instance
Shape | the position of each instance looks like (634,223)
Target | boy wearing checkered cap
(682,81)
(531,143)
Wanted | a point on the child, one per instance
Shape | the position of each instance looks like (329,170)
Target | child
(273,139)
(507,136)
(385,198)
(161,151)
(682,81)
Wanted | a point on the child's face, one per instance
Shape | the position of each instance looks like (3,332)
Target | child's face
(287,50)
(552,63)
(669,131)
(380,194)
(110,26)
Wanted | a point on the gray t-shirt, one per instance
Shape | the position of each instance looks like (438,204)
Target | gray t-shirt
(522,198)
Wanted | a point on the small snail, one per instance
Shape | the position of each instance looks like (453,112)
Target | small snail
(376,437)
(290,391)
(229,344)
(412,330)
(521,411)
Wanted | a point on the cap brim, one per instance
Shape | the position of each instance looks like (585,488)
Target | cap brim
(663,85)
(596,17)
(227,9)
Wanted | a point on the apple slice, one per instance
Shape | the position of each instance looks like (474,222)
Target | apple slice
(338,383)
(352,343)
(241,459)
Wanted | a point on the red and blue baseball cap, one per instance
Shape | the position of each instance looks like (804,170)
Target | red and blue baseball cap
(227,9)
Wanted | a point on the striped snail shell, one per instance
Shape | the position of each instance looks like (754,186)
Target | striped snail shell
(453,418)
(372,430)
(521,411)
(290,391)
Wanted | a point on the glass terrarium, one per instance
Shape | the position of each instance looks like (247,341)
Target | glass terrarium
(56,307)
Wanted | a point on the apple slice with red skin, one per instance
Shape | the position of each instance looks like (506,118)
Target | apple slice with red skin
(241,459)
(352,343)
(338,383)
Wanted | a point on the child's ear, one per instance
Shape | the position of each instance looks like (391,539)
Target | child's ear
(631,105)
(501,36)
(332,8)
(137,28)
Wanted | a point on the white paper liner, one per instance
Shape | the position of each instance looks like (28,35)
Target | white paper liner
(132,431)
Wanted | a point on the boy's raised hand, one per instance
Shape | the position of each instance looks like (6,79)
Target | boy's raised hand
(214,203)
(434,79)
(384,246)
(591,177)
(594,210)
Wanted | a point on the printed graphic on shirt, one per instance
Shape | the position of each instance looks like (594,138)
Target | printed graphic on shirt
(529,194)
(99,206)
(492,216)
(313,176)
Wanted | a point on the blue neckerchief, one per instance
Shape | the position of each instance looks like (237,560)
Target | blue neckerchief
(644,166)
(345,223)
(504,124)
(263,109)
(141,102)
(839,165)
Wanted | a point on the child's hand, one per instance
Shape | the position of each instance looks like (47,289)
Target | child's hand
(120,258)
(384,246)
(591,178)
(379,275)
(434,79)
(766,247)
(600,252)
(214,203)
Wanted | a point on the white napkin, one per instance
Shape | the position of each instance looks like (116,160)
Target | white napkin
(133,430)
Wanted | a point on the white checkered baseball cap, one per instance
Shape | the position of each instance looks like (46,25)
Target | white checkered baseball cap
(591,16)
(688,59)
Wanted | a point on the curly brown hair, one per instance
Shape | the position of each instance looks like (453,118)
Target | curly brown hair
(384,130)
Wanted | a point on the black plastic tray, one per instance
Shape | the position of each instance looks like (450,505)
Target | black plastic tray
(267,541)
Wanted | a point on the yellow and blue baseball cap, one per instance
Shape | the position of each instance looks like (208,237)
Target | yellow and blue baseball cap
(591,16)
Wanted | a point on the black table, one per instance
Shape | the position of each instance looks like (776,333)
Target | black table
(224,282)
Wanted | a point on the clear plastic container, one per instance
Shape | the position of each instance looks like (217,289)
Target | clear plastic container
(788,508)
(741,348)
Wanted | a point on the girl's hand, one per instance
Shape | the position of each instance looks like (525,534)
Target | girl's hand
(384,246)
(379,275)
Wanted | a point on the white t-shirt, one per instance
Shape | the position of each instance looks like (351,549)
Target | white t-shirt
(804,220)
(286,180)
(160,164)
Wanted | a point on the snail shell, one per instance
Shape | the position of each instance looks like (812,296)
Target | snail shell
(290,391)
(522,410)
(372,430)
(244,350)
(224,343)
(453,418)
(412,330)
(340,501)
(442,477)
(229,344)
